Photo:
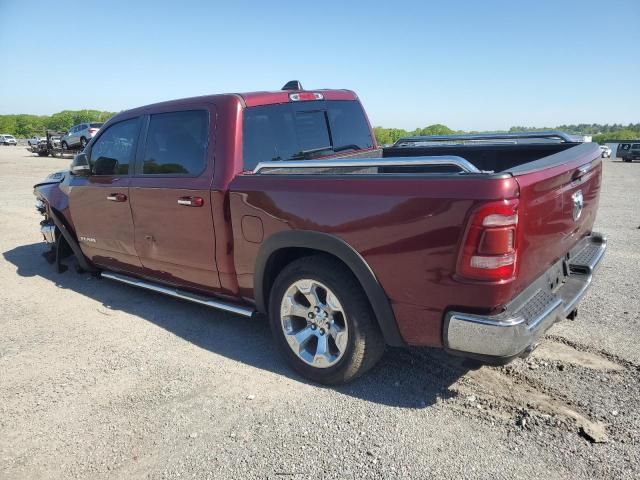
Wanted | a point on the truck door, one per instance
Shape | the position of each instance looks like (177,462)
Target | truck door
(99,203)
(171,198)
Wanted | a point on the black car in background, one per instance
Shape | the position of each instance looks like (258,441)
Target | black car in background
(630,153)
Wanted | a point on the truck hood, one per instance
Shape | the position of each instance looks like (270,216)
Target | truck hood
(55,177)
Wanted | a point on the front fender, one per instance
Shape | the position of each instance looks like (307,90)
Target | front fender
(53,192)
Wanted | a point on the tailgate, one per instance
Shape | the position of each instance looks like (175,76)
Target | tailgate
(558,204)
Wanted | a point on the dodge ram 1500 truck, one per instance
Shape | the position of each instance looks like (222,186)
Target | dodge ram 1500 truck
(281,203)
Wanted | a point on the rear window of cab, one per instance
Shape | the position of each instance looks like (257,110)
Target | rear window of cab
(303,131)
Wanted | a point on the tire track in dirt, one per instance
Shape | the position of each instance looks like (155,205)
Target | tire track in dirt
(508,394)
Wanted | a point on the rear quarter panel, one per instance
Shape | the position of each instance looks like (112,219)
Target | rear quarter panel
(408,231)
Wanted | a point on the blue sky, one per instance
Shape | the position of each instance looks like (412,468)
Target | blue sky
(470,65)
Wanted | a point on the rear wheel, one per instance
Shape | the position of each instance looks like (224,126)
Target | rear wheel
(65,146)
(83,142)
(322,322)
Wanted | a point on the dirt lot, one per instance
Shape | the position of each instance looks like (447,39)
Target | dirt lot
(99,380)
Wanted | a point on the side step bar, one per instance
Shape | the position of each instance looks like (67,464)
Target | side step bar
(177,293)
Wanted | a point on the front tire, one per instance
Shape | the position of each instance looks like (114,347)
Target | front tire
(322,322)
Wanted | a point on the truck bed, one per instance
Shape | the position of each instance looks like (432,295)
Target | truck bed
(408,220)
(501,152)
(486,157)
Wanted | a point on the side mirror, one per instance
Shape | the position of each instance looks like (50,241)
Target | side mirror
(80,165)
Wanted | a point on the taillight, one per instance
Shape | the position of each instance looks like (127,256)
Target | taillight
(489,251)
(93,130)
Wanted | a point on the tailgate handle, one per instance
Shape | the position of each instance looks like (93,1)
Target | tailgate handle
(581,171)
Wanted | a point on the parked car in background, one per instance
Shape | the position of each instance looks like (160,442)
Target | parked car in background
(633,153)
(79,136)
(475,248)
(9,140)
(606,151)
(622,149)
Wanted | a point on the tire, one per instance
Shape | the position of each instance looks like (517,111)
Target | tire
(65,146)
(83,142)
(43,154)
(345,324)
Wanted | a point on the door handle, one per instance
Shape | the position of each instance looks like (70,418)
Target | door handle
(191,201)
(117,197)
(581,171)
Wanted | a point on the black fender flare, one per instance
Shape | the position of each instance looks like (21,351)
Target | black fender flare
(337,247)
(71,241)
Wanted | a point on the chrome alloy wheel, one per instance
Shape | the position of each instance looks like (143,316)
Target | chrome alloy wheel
(314,323)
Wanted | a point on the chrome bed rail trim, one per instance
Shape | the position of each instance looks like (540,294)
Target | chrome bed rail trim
(444,160)
(485,137)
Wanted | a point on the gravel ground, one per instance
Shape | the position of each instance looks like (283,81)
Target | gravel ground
(99,380)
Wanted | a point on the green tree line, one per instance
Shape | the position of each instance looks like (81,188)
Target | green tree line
(24,125)
(600,132)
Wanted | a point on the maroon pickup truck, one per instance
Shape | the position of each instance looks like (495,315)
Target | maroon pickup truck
(281,203)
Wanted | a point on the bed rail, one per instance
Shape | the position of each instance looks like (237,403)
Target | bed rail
(511,137)
(360,165)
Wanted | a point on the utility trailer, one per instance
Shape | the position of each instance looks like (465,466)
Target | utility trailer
(50,145)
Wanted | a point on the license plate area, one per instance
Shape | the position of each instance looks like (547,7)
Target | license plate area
(557,274)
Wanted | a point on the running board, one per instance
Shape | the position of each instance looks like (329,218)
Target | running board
(181,294)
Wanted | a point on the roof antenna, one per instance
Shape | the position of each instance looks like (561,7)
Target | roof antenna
(293,85)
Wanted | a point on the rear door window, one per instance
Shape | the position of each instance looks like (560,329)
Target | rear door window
(176,143)
(303,130)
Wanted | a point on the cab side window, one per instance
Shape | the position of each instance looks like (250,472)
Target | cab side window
(176,143)
(114,151)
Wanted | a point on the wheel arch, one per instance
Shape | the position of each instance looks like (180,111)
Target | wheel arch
(284,247)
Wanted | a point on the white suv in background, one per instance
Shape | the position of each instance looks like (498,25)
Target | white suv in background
(6,139)
(605,151)
(80,135)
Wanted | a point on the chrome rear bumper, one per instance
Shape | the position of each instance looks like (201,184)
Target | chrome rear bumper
(516,330)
